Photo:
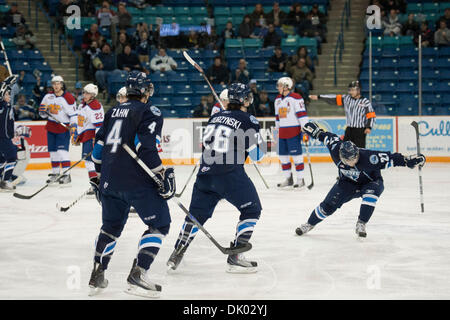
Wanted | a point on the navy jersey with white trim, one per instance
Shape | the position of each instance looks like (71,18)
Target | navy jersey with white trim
(139,126)
(6,120)
(370,163)
(228,139)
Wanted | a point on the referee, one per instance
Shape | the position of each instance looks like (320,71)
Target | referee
(358,111)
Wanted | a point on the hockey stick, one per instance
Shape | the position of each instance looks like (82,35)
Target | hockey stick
(416,128)
(228,251)
(187,182)
(64,209)
(25,197)
(196,66)
(6,58)
(310,166)
(57,121)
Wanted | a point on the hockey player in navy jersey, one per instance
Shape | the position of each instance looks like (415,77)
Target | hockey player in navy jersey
(123,183)
(8,151)
(228,139)
(359,177)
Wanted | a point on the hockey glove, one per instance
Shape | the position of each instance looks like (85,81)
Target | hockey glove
(74,134)
(414,160)
(312,129)
(43,111)
(95,185)
(167,186)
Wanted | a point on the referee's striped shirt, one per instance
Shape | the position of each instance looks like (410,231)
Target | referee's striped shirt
(359,112)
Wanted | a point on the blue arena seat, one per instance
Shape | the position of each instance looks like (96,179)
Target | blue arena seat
(183,89)
(181,102)
(201,89)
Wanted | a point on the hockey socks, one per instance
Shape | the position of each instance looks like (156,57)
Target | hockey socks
(104,248)
(368,204)
(244,231)
(149,246)
(187,233)
(318,215)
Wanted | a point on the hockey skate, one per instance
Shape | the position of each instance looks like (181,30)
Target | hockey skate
(361,229)
(176,257)
(300,184)
(52,178)
(97,283)
(286,183)
(304,228)
(139,285)
(90,194)
(7,186)
(237,263)
(65,180)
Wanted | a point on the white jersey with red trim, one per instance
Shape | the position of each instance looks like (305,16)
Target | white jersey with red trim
(216,109)
(290,115)
(90,119)
(61,108)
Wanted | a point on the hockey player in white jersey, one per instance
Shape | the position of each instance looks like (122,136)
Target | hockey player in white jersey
(224,99)
(290,116)
(58,106)
(89,120)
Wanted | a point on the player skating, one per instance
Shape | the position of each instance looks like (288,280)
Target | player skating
(290,116)
(58,106)
(8,151)
(217,106)
(123,183)
(359,177)
(228,138)
(89,120)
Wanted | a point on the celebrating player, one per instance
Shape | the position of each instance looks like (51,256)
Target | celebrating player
(228,138)
(359,177)
(58,107)
(89,121)
(290,116)
(123,183)
(224,99)
(8,151)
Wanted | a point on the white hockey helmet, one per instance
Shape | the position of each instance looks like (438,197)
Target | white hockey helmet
(224,95)
(121,93)
(57,79)
(91,89)
(286,82)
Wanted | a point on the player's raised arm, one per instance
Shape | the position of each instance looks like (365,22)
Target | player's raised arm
(329,139)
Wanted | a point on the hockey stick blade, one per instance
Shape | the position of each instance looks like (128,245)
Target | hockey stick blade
(192,62)
(62,209)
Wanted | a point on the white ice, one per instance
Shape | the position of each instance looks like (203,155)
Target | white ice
(46,254)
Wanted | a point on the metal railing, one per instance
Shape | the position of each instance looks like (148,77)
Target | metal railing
(339,48)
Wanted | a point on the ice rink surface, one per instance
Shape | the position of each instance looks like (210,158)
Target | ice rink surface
(46,254)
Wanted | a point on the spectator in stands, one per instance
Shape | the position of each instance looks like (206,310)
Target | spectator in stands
(410,27)
(241,74)
(14,17)
(22,110)
(106,68)
(277,16)
(246,28)
(91,59)
(24,38)
(91,35)
(211,41)
(143,47)
(122,41)
(78,92)
(218,73)
(265,107)
(300,73)
(87,8)
(391,24)
(296,17)
(162,62)
(203,110)
(105,15)
(124,16)
(302,53)
(38,91)
(227,33)
(316,14)
(258,17)
(427,35)
(254,88)
(442,35)
(397,5)
(313,29)
(193,40)
(128,60)
(277,62)
(445,17)
(272,38)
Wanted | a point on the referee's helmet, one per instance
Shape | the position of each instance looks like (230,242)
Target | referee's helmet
(354,84)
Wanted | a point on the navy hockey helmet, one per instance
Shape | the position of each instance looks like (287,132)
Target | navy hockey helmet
(349,153)
(239,93)
(137,83)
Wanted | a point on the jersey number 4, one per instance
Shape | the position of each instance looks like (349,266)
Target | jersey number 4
(114,137)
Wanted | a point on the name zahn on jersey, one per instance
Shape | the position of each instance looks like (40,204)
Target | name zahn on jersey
(120,113)
(228,121)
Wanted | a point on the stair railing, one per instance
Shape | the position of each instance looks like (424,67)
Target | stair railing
(339,48)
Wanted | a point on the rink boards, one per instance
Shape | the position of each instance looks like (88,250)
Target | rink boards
(181,139)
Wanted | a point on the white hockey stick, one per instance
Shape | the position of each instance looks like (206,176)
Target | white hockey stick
(416,128)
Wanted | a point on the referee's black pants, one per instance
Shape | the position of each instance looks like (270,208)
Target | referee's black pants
(356,135)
